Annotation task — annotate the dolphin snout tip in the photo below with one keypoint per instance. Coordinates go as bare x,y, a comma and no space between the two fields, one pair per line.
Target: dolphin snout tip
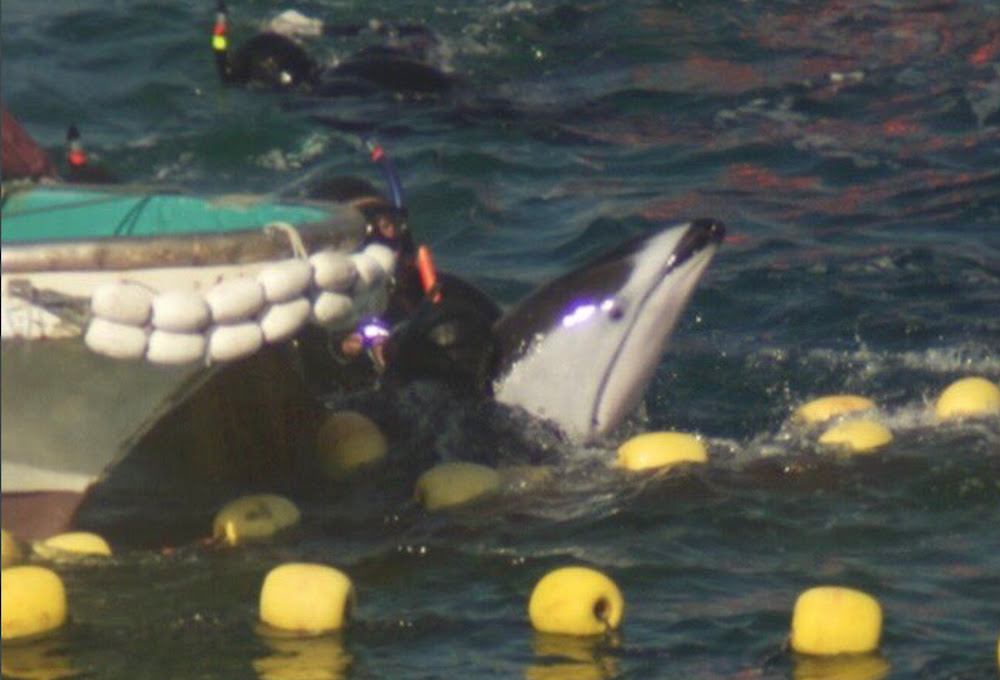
709,228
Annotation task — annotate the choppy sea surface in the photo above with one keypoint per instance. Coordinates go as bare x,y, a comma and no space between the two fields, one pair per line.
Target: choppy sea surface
853,149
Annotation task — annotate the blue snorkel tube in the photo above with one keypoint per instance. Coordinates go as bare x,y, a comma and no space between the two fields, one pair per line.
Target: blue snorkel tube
388,170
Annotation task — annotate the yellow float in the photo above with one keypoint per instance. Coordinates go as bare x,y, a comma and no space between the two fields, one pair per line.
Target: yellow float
305,598
824,408
830,620
255,517
456,483
72,545
857,436
968,398
33,601
348,441
576,601
661,450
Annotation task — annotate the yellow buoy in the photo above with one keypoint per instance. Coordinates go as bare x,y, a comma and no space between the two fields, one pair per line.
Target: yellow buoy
842,667
968,398
33,601
348,441
857,436
306,598
824,408
255,517
72,545
576,601
450,484
833,620
661,449
11,549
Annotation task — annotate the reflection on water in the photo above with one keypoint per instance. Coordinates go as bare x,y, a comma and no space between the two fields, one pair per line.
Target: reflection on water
42,659
305,658
566,657
842,667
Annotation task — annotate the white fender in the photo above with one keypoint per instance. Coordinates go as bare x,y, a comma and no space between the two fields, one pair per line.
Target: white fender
285,281
332,311
382,254
281,321
234,300
370,272
166,347
179,311
115,340
235,341
333,271
122,302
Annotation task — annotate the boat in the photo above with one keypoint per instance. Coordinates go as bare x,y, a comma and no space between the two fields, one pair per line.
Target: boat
166,323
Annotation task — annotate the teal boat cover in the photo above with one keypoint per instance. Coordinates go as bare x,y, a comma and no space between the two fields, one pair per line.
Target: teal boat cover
51,213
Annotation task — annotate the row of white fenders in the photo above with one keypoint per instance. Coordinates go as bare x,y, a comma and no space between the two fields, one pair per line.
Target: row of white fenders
208,314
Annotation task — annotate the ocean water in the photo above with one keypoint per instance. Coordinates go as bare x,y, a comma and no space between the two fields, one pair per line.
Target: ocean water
852,148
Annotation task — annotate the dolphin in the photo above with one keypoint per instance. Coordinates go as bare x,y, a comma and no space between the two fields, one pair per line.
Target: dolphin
578,351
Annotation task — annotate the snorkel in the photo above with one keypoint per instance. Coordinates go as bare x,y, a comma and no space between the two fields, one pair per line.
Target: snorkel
220,42
388,170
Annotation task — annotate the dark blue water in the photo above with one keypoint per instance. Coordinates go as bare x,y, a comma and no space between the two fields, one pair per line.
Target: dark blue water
853,150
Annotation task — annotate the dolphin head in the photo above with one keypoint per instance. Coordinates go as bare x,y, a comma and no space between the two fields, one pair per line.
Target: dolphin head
581,350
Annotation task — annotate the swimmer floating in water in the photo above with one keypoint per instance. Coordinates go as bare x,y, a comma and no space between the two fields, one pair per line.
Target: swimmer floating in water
80,167
274,61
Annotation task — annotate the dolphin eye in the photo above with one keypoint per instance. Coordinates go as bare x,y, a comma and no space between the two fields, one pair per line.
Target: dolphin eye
614,308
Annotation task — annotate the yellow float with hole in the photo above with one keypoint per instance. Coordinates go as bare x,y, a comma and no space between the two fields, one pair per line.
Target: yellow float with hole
70,545
576,601
11,549
255,517
857,436
830,620
451,484
348,441
306,598
824,408
661,450
33,601
968,398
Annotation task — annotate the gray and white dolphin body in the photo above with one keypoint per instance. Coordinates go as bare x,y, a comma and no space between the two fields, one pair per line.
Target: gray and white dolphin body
581,350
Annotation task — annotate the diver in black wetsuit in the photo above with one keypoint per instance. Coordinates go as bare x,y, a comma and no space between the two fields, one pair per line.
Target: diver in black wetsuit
274,61
437,326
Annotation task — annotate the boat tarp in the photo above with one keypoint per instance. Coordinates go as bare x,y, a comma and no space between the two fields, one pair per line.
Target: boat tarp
42,214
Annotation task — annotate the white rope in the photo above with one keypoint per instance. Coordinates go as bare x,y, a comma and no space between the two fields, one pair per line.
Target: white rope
293,236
